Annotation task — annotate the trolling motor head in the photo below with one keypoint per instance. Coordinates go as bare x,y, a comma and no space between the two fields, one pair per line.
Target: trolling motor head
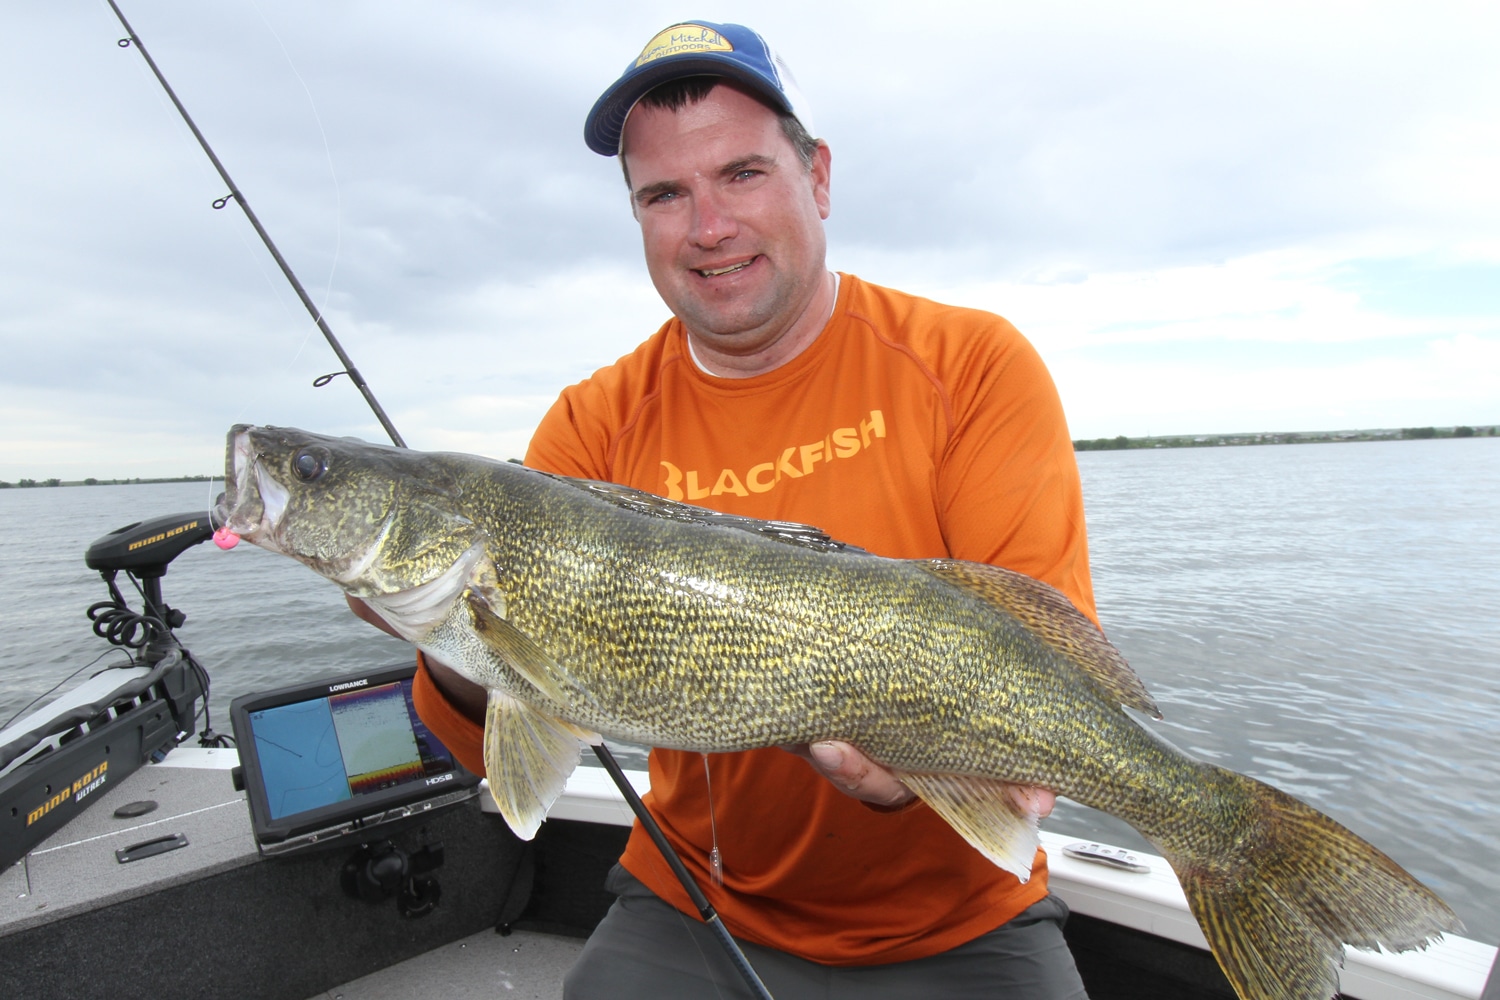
146,547
143,550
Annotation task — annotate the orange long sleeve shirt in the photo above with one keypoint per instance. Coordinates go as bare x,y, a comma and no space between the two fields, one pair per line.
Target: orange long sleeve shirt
913,430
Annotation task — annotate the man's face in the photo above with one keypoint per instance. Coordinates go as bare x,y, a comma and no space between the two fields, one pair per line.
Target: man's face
731,219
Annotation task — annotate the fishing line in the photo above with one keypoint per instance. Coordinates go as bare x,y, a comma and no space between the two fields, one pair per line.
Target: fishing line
705,908
338,193
253,253
213,499
338,220
141,826
715,859
53,689
648,822
238,197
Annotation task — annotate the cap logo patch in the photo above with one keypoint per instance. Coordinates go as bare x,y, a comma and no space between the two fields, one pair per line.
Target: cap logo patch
682,39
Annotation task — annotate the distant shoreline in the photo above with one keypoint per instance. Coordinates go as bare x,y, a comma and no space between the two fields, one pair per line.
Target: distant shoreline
1119,443
1292,437
25,484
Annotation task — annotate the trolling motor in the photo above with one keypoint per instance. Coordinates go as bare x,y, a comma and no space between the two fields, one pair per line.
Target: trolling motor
143,550
55,761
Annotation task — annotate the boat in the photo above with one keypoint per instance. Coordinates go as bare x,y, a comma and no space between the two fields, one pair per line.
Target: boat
153,876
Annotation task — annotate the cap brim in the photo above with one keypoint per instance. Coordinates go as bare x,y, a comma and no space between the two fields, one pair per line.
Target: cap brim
606,120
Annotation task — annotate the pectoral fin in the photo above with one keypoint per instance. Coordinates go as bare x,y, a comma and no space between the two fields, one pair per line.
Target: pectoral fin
984,813
527,759
518,650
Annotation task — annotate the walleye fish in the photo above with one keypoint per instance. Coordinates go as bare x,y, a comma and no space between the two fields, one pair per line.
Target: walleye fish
587,608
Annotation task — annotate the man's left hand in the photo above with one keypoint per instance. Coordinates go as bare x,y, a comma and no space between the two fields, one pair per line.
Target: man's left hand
858,776
853,773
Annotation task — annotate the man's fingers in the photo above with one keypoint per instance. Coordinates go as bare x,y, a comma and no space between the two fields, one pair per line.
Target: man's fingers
1031,799
830,759
854,773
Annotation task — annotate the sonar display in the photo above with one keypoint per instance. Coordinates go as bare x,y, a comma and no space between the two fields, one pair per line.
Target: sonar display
376,738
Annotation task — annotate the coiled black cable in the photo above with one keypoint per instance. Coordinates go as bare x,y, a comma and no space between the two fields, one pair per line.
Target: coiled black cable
115,622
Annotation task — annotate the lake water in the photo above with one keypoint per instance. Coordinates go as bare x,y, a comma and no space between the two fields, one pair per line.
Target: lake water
1323,617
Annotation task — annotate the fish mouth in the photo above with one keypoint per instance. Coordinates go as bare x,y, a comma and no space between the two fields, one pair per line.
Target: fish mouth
255,506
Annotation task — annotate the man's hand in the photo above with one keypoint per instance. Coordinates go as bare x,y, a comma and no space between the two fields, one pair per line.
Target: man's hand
858,776
853,773
466,696
366,613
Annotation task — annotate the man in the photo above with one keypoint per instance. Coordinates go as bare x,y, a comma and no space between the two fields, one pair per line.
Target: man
782,390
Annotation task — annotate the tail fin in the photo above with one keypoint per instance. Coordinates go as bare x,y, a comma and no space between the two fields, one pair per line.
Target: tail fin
1300,886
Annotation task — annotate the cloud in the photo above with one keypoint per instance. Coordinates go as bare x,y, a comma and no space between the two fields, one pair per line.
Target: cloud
1432,385
1156,190
1284,340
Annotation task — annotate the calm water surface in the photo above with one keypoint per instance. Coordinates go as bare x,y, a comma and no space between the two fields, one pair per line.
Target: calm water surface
1319,616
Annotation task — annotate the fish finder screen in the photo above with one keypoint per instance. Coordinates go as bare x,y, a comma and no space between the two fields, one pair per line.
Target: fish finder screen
332,749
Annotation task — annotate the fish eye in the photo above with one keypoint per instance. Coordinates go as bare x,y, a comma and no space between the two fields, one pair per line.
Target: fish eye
310,463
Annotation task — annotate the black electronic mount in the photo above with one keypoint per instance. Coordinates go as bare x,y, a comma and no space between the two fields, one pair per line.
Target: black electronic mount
378,870
58,760
345,762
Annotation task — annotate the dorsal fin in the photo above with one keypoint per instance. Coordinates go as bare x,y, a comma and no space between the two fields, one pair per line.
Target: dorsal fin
650,505
1051,617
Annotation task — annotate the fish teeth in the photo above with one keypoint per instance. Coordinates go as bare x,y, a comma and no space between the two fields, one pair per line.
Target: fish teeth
273,498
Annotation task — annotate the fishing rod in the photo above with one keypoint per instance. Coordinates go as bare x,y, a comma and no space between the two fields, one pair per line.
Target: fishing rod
265,237
705,909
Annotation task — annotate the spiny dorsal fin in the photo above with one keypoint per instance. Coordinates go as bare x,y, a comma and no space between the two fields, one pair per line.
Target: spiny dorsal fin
651,505
1051,617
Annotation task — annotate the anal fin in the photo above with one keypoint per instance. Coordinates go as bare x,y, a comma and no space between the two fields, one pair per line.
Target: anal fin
983,812
527,759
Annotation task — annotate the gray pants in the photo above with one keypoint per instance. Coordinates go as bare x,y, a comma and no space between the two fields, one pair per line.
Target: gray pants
644,949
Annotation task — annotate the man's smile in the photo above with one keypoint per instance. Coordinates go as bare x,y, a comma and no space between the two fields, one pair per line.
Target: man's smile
714,272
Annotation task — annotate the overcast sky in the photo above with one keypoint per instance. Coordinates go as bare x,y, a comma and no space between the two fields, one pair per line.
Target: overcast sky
1208,217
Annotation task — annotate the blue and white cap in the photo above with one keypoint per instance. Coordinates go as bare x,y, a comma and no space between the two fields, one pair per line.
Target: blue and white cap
694,48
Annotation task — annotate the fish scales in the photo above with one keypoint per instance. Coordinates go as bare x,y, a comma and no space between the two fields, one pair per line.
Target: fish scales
772,658
590,608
